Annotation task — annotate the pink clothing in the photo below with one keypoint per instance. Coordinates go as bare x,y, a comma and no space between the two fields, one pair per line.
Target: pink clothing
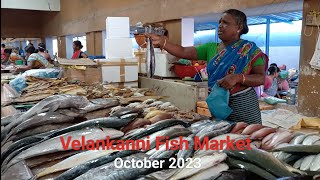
2,54
283,86
268,82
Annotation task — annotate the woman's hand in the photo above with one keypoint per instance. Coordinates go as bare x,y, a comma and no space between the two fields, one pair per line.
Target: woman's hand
229,81
156,39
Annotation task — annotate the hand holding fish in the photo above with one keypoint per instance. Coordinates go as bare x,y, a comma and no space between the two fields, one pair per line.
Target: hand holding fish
229,81
157,40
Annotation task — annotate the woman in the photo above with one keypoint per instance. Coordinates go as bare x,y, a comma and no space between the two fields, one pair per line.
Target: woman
235,64
271,82
42,48
77,53
3,47
11,56
35,60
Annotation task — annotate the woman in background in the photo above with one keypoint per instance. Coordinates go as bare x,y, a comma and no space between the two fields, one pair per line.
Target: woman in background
271,82
42,48
77,53
12,56
35,60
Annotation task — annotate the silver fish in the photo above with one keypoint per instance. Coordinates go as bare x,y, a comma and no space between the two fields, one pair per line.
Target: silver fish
110,171
160,175
306,163
309,140
150,58
54,144
74,161
186,152
8,119
206,162
315,164
210,173
297,164
298,139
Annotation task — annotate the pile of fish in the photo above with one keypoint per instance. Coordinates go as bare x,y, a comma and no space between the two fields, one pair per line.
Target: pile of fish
40,88
37,144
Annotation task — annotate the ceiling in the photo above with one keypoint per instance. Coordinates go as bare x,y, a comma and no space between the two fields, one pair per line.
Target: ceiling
283,12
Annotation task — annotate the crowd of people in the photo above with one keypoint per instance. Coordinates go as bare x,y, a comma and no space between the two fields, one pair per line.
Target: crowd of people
33,58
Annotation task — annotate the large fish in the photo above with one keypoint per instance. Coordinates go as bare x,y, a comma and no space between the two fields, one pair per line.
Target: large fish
210,173
159,175
75,160
110,171
166,152
299,148
170,132
85,167
55,144
219,139
125,110
150,59
187,151
298,139
96,104
250,167
19,171
51,103
8,119
159,126
216,130
198,126
262,159
41,119
239,174
206,162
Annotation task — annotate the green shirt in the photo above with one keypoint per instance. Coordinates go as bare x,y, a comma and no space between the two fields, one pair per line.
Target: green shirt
209,50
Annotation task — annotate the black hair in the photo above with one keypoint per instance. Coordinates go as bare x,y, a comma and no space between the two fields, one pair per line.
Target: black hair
30,49
9,51
272,70
78,44
241,19
274,64
166,33
41,47
3,45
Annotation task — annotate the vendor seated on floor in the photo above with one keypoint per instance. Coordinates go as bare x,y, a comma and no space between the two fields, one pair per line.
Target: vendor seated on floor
34,61
77,53
271,82
12,56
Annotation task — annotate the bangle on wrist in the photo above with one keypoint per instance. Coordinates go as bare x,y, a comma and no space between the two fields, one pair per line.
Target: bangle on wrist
243,79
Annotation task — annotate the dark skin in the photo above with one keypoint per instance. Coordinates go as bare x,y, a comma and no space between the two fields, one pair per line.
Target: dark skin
229,32
76,48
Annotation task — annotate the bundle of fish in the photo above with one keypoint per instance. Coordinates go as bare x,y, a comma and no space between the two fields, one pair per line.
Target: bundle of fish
302,152
41,88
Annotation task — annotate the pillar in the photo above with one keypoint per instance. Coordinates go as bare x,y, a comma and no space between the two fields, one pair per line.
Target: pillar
103,43
174,27
309,78
62,46
187,30
68,46
94,43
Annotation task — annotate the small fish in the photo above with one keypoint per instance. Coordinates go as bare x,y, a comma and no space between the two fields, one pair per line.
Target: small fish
315,164
297,164
160,117
125,110
298,139
135,124
160,175
251,128
238,126
154,113
261,133
306,163
309,140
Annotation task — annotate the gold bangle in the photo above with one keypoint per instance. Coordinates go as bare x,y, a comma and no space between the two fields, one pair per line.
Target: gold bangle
243,78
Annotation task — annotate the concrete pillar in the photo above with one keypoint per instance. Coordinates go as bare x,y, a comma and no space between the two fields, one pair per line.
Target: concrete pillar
103,43
94,43
49,45
68,46
174,28
187,30
62,46
309,78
